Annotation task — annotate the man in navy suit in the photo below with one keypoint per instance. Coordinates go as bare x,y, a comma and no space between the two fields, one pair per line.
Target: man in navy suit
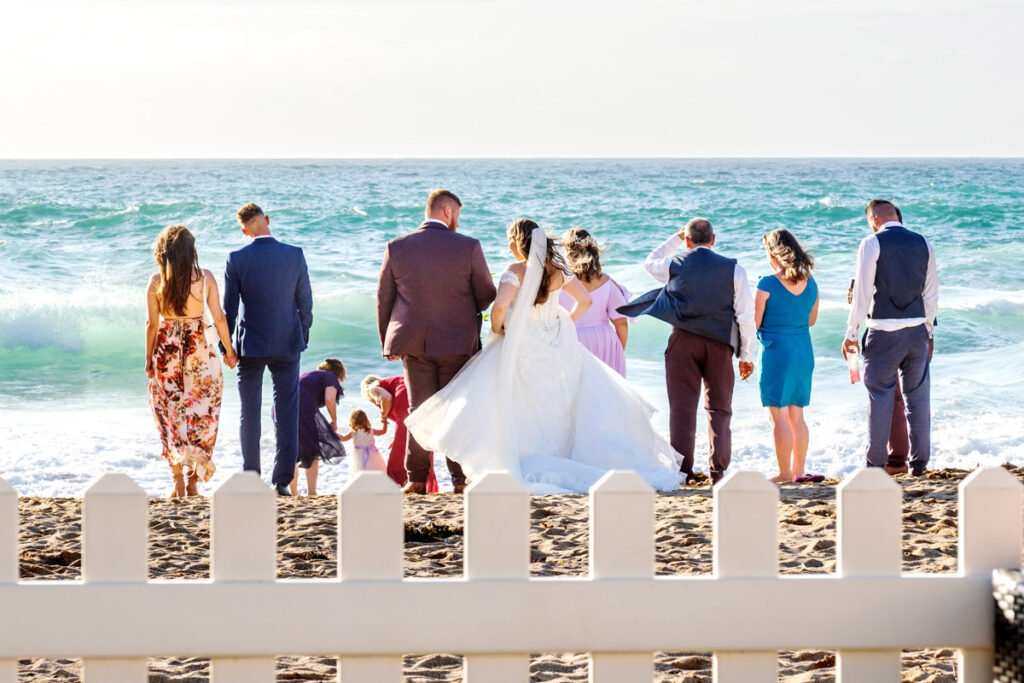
271,330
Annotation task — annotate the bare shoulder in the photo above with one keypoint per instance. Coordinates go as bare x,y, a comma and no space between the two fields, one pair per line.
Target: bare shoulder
154,282
517,268
558,279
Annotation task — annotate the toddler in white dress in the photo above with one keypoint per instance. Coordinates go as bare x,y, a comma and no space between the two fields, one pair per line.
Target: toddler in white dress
366,456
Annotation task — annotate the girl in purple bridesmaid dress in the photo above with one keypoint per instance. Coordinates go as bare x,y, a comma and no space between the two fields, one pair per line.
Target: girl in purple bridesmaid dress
601,328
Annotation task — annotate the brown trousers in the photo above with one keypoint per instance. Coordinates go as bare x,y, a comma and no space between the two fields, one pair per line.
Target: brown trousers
424,377
690,360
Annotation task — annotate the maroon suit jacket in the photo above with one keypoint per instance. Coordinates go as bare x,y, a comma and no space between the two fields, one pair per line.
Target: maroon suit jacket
433,285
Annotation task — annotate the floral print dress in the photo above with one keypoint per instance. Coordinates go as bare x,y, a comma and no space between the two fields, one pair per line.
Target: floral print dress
185,394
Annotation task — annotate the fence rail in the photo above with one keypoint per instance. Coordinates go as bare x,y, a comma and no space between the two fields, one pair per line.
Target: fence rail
369,616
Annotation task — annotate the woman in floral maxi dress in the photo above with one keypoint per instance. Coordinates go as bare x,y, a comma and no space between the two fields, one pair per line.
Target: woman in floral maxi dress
185,379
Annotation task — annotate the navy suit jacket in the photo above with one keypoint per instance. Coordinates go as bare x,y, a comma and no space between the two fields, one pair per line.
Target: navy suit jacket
267,299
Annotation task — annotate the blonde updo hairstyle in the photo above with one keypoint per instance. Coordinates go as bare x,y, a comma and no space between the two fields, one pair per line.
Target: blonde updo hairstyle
521,233
795,263
583,254
369,383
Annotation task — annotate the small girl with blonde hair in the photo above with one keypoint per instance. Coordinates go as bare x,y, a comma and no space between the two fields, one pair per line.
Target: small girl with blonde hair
367,457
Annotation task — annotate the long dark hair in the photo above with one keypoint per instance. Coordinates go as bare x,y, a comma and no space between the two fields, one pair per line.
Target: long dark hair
583,254
521,232
178,265
796,263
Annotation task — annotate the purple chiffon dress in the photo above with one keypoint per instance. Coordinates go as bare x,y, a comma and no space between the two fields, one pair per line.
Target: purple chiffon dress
595,329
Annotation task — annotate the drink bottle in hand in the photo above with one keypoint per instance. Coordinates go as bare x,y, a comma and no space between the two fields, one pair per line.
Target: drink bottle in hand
854,365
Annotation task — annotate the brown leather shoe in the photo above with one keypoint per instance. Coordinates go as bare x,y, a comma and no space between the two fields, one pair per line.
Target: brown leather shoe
415,487
894,469
459,488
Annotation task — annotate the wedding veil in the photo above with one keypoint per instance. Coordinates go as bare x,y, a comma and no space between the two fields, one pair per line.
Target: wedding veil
515,335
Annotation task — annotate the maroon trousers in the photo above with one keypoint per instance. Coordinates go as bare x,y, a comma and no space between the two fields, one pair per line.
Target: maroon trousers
691,360
899,437
424,377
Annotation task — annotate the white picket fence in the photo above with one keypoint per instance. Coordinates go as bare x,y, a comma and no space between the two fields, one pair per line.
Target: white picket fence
114,618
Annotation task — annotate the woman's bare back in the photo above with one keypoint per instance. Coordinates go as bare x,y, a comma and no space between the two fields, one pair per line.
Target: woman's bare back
195,307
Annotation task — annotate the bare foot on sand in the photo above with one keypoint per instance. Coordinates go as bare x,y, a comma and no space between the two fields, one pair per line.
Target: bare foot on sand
193,486
179,487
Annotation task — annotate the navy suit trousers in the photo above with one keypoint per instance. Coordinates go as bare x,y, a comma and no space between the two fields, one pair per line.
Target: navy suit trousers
892,359
284,372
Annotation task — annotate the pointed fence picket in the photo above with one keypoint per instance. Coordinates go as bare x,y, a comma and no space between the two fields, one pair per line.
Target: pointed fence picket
114,536
369,616
990,537
746,527
621,547
497,548
243,549
370,543
869,527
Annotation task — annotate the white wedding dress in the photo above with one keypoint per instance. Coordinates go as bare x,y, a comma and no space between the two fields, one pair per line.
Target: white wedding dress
536,403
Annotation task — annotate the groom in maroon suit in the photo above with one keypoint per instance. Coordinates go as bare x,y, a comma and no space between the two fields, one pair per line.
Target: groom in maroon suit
434,284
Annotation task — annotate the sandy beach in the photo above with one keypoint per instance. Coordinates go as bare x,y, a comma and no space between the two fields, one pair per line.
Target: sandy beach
179,548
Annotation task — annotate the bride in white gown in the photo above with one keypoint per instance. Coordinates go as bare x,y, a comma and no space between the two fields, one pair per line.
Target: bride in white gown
535,402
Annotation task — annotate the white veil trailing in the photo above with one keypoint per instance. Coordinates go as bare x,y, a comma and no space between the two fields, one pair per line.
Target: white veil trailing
515,324
515,335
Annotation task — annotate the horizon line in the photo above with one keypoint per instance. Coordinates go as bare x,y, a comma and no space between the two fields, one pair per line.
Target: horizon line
530,158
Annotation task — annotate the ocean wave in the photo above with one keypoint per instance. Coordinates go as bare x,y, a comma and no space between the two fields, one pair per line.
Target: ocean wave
969,299
959,299
101,322
103,316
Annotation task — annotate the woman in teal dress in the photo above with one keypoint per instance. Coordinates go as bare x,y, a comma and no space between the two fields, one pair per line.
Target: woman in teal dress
785,309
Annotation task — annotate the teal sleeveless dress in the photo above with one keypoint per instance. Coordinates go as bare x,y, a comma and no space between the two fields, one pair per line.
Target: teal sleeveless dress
787,356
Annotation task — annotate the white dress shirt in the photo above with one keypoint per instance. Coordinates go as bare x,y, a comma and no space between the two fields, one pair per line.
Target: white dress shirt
658,264
864,291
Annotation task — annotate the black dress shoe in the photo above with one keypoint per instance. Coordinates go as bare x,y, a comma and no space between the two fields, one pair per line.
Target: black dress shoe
283,490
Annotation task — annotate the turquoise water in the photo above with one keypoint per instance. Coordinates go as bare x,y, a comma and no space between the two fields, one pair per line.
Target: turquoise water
75,241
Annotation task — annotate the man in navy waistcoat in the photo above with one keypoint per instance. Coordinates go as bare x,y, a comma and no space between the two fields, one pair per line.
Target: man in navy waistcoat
707,301
896,290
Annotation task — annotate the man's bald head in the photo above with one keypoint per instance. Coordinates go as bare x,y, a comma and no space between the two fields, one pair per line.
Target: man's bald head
699,232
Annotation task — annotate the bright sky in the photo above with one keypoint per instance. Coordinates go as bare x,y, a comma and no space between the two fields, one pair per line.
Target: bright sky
500,78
